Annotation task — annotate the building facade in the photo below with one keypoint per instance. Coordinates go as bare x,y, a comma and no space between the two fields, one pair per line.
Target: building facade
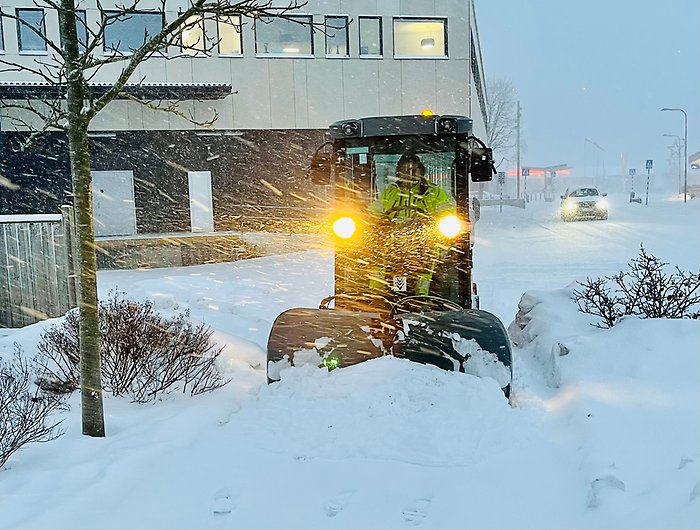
275,86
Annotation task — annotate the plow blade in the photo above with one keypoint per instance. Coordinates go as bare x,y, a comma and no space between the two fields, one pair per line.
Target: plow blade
333,337
467,340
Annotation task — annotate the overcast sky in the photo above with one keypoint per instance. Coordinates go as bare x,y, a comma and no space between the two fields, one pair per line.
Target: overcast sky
597,69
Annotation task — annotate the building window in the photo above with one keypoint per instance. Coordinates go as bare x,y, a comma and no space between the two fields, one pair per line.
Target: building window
29,23
370,36
230,35
284,37
192,36
125,33
2,37
336,29
81,29
416,38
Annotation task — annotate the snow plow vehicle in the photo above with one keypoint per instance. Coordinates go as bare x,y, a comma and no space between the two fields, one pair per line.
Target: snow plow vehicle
403,253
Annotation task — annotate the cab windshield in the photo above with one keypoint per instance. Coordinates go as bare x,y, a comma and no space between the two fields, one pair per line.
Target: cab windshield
369,165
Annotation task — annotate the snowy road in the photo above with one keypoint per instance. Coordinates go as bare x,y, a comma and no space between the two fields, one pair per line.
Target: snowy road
390,444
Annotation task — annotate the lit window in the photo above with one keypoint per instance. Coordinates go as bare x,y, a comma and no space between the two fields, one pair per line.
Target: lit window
420,37
31,30
284,36
370,36
126,33
193,35
230,41
336,36
81,29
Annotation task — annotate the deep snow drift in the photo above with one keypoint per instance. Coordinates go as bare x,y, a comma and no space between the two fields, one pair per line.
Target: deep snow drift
605,436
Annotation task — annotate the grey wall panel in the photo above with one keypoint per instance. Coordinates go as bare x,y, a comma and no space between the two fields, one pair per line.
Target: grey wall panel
418,86
361,88
187,108
282,99
325,89
213,69
152,71
452,82
155,119
114,117
251,105
363,7
179,71
390,90
418,7
301,95
135,117
326,6
223,108
457,41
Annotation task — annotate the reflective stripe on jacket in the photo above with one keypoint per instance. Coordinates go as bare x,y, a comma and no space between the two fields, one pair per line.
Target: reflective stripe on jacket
431,201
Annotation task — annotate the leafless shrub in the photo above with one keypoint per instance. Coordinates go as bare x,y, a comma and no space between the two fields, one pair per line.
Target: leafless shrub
143,355
645,290
24,409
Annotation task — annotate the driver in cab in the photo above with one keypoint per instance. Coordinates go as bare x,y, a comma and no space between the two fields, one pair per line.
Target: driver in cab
411,194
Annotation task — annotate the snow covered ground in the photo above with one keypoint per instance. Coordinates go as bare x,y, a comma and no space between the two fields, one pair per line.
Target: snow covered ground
606,437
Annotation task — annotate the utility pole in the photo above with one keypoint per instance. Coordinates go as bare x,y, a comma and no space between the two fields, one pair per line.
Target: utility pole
517,129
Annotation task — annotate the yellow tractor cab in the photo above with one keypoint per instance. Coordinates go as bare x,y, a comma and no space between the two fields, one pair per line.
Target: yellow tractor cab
403,252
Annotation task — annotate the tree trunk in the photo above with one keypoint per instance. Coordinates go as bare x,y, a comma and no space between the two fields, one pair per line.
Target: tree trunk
90,372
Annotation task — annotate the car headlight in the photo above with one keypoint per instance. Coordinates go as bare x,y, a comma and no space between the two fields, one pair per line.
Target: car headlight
450,226
344,227
570,205
602,204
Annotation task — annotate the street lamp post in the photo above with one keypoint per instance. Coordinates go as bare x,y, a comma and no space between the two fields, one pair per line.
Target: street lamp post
685,152
588,140
680,188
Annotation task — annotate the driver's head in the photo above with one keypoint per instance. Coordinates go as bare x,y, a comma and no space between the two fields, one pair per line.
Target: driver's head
409,169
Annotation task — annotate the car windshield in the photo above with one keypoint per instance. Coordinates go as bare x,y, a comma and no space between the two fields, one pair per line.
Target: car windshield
584,192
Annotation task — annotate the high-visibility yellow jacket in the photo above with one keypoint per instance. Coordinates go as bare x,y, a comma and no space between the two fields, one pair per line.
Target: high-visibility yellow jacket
424,197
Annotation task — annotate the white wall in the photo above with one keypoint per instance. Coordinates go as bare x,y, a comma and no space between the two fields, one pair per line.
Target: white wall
286,93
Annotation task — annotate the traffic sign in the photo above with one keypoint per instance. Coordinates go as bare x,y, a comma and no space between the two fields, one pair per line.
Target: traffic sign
633,172
501,177
526,171
650,164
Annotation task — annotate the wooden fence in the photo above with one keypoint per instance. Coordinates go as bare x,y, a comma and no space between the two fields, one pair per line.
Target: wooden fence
37,267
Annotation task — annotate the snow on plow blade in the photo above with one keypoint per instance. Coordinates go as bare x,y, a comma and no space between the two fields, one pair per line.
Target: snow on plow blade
470,341
467,340
333,337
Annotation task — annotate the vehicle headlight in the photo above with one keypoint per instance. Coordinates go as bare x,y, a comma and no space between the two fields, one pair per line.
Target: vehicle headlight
344,227
450,226
602,204
570,205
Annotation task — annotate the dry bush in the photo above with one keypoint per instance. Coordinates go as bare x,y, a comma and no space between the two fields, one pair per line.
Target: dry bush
646,290
143,355
24,409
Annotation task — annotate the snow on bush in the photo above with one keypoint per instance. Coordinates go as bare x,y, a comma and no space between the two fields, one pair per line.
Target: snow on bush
143,355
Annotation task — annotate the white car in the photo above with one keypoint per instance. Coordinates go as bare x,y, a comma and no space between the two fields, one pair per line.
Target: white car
583,203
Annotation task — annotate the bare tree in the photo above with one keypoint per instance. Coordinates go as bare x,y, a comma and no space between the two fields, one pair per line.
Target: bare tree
73,103
501,112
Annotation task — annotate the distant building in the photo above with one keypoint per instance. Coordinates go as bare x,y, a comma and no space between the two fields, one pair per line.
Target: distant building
275,87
